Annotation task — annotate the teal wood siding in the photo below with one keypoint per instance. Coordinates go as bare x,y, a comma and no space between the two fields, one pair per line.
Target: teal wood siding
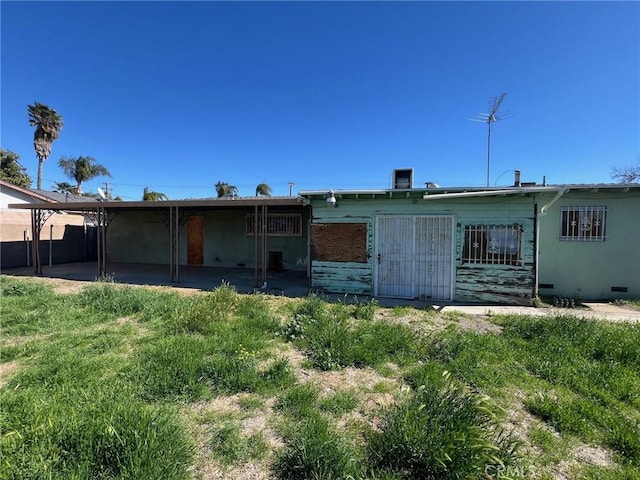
498,283
472,282
342,277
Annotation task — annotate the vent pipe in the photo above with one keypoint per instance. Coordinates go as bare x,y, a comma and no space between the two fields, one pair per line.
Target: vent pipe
516,182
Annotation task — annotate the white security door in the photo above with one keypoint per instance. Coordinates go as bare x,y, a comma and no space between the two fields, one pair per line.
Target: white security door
433,278
414,257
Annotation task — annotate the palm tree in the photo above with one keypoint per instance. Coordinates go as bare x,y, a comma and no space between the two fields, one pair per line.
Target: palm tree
225,190
82,169
263,189
151,196
64,187
48,125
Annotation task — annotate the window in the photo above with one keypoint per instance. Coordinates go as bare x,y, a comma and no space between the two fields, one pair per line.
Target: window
492,244
278,224
583,224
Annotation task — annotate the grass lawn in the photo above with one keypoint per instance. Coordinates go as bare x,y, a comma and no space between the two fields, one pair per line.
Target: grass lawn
119,382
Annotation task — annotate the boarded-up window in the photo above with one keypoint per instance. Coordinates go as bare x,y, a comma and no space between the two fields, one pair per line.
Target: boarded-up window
339,242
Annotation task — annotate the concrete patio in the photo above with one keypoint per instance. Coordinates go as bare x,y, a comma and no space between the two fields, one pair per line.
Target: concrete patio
288,283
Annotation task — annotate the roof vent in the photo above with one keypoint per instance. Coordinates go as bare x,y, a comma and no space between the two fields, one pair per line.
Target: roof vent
402,178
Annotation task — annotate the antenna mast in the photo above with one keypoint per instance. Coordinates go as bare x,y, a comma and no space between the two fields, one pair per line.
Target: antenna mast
489,119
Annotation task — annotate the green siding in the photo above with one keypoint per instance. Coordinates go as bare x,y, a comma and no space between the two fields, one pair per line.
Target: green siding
588,270
142,237
475,283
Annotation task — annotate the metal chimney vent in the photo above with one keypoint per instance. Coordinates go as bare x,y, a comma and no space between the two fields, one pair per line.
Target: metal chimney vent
402,178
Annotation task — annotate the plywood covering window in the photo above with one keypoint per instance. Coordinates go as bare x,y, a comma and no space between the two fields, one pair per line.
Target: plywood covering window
583,224
492,244
339,242
278,224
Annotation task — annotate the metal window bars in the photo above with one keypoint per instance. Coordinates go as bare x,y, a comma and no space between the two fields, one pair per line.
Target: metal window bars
277,224
492,244
583,223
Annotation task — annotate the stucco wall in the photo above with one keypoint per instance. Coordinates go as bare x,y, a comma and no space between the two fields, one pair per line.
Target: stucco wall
142,237
589,269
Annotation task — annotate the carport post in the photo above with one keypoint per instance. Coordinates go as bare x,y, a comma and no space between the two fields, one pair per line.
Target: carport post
255,242
264,244
177,243
35,241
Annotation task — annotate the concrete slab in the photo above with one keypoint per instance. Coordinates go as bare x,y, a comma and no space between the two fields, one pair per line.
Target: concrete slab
288,283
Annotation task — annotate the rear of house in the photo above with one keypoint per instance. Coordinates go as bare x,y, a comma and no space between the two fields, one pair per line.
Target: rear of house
435,244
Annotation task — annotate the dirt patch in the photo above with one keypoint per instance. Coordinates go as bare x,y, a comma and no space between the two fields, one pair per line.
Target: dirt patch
7,370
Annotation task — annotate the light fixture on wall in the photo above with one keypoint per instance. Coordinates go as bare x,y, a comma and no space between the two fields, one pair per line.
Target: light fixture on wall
331,199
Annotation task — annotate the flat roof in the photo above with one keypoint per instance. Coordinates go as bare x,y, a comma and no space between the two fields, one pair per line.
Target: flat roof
480,191
190,203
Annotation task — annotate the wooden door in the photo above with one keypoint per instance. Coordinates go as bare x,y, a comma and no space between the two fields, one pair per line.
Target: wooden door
195,241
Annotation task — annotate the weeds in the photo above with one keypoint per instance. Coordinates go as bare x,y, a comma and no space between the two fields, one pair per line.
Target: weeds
332,340
317,451
441,431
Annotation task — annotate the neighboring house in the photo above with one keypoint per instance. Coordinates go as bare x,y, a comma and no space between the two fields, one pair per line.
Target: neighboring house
63,232
590,243
478,244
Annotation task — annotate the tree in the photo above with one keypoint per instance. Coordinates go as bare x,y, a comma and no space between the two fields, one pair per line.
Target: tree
48,125
11,171
629,174
64,187
82,169
263,189
223,189
151,196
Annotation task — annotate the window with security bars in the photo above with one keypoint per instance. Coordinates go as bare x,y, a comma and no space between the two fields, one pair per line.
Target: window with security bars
492,244
278,224
583,224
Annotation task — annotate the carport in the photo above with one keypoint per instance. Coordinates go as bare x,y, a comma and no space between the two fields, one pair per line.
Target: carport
258,222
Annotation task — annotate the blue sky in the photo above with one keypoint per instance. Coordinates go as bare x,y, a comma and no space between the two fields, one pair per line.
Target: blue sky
179,95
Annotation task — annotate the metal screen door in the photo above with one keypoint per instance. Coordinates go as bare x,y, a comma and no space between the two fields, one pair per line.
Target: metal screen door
414,257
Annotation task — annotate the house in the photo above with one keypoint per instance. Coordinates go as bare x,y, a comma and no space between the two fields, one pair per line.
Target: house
466,244
477,244
590,243
65,233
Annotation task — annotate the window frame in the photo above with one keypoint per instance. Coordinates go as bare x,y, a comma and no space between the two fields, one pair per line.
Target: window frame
495,244
278,224
583,223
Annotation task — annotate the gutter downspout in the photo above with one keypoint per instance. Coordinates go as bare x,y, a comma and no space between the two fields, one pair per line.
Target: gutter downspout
545,209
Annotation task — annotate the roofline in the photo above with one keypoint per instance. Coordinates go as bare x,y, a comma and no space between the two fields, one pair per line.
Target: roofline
448,192
26,191
142,205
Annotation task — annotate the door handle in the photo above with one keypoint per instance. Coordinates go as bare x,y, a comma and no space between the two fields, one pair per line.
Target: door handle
379,258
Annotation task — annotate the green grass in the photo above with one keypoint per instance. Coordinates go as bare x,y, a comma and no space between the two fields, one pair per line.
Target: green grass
334,340
581,377
102,383
441,431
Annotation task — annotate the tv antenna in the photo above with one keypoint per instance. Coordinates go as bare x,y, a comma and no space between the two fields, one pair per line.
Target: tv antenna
489,119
